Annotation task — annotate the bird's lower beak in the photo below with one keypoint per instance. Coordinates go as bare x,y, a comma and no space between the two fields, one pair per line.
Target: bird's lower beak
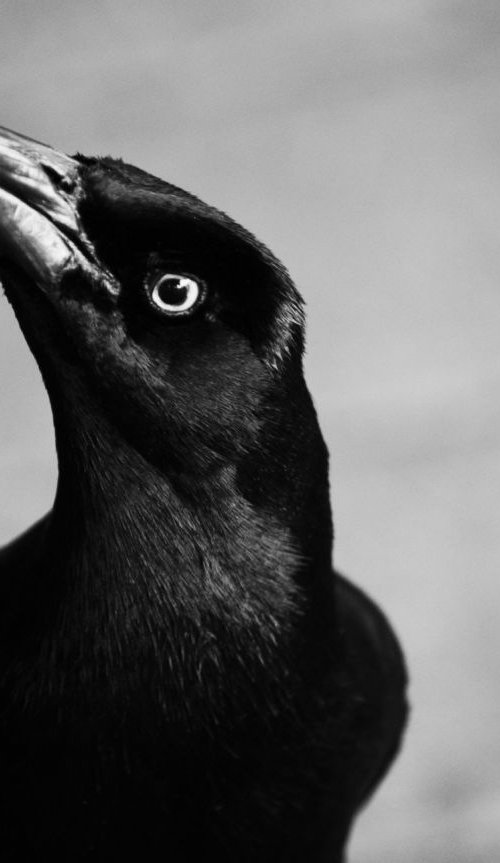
40,229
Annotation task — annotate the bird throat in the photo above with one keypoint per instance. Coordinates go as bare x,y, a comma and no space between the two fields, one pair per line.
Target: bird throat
145,589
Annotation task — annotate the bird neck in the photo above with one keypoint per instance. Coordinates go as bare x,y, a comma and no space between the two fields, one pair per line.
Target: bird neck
171,547
175,591
143,591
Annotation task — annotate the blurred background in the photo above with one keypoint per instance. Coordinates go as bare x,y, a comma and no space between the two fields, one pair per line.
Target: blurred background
360,140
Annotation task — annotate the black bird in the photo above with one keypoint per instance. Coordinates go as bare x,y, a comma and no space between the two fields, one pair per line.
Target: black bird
183,676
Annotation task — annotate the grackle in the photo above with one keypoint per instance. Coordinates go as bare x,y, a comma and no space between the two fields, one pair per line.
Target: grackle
183,677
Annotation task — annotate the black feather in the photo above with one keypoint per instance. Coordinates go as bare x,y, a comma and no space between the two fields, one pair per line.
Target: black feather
183,676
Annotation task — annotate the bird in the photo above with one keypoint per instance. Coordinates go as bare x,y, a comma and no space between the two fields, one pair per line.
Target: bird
183,673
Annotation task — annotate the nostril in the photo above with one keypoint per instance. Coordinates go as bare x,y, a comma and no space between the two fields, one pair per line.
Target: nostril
59,177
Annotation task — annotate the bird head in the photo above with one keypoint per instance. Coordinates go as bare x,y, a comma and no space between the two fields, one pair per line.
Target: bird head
157,316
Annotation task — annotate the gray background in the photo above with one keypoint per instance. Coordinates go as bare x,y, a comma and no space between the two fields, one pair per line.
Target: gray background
360,141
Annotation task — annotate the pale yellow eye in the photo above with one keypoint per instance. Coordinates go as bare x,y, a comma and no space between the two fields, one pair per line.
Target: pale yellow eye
175,294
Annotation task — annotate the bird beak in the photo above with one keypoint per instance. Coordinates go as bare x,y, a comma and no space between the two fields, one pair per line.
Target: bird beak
40,229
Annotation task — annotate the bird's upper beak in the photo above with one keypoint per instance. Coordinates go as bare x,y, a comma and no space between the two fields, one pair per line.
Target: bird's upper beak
40,229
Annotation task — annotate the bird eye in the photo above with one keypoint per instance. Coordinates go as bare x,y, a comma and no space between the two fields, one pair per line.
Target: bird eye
176,295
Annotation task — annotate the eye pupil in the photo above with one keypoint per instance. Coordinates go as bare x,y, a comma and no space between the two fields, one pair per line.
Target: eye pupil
173,291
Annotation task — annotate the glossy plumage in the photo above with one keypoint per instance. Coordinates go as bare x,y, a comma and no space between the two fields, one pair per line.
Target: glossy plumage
183,676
